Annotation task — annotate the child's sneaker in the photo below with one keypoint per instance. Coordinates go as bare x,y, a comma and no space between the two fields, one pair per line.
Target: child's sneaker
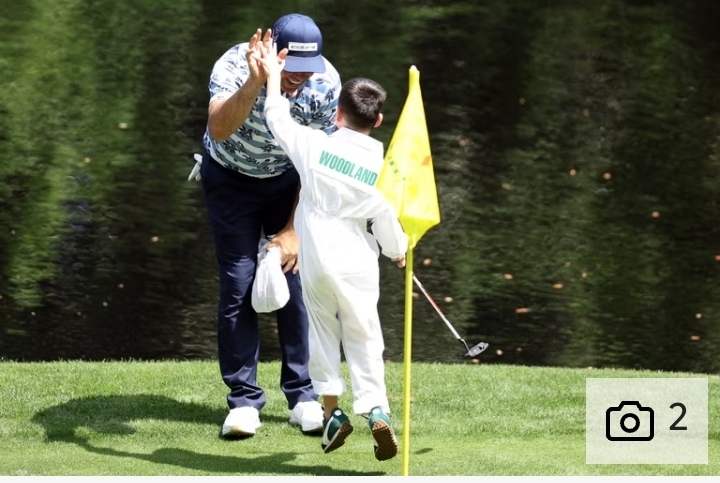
335,430
386,445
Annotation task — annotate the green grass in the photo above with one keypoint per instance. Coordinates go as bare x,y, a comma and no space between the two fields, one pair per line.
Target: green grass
163,418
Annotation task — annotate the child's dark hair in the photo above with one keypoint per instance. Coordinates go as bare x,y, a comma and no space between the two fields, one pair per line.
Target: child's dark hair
361,101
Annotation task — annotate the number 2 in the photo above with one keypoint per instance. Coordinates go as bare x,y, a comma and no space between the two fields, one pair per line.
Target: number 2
674,426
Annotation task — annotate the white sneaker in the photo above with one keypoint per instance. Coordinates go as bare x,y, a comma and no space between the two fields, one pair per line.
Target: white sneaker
308,415
241,422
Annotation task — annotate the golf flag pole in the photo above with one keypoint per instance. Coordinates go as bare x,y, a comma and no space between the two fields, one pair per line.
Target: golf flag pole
406,364
408,182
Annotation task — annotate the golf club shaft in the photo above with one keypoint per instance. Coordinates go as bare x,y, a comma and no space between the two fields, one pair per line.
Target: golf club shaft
437,309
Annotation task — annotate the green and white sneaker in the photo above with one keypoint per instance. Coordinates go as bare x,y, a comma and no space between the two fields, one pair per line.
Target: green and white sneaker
386,445
335,430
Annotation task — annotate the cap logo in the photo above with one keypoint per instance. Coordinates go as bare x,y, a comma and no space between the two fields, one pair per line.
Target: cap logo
303,47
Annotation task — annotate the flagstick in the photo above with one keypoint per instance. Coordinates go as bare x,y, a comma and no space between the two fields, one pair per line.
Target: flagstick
408,357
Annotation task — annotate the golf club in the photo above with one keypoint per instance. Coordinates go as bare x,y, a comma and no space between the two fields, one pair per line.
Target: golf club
471,351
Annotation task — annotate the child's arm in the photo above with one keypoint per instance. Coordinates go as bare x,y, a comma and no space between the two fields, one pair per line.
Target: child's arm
390,235
291,136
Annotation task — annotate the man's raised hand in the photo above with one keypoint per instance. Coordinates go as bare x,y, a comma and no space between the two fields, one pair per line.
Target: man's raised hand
266,55
256,71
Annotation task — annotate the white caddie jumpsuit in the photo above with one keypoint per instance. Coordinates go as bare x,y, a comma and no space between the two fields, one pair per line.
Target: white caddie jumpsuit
338,257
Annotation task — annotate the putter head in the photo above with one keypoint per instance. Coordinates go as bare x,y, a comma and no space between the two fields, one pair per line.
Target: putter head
475,350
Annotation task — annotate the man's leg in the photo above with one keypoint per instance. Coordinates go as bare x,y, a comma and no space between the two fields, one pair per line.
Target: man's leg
292,323
234,210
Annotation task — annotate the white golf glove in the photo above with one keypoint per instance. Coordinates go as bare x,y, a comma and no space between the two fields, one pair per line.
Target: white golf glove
195,173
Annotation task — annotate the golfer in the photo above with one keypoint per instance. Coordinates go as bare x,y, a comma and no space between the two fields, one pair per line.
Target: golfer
250,189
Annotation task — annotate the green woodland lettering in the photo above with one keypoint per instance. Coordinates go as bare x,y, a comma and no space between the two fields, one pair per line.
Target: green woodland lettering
347,168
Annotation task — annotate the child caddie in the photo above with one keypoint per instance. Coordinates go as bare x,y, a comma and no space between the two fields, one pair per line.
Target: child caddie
338,258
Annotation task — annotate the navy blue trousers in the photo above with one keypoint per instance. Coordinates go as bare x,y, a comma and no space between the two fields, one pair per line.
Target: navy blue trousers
239,207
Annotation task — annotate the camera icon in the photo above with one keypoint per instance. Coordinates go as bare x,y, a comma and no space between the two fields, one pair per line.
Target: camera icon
629,422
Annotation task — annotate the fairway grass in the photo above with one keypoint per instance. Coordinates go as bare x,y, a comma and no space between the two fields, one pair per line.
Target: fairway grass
163,418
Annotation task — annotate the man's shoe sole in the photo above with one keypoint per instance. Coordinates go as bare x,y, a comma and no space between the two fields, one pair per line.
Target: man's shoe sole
315,430
345,430
386,444
235,432
312,430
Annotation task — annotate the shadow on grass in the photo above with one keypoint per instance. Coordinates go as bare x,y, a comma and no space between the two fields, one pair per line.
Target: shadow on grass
113,415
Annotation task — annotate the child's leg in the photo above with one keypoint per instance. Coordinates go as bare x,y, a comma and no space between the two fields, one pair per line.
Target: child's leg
324,341
363,344
329,403
362,339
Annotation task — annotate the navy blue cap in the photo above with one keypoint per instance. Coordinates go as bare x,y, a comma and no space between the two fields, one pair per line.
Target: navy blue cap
299,34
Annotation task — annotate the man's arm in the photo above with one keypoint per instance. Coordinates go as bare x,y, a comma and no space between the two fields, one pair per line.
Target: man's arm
287,240
226,116
291,220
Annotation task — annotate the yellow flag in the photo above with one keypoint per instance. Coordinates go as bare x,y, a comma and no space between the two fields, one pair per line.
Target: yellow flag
407,179
408,182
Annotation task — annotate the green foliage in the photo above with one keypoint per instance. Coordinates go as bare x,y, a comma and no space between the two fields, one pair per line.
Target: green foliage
575,146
